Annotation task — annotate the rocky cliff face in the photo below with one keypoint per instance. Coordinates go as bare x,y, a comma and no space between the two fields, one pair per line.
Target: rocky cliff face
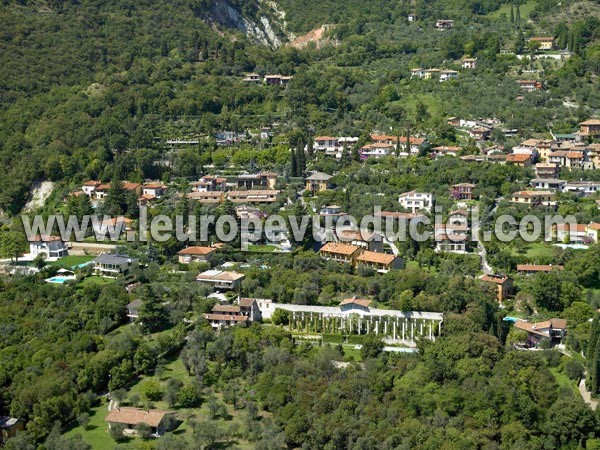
258,29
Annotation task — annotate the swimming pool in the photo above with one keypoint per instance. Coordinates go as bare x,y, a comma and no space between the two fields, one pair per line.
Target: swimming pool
82,265
59,280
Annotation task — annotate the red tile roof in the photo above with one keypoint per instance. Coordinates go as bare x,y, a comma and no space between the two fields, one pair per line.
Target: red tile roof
376,257
201,251
537,267
134,416
341,249
356,301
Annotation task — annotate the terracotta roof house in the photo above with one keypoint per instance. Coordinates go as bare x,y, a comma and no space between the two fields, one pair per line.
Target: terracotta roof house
132,417
195,254
503,285
89,187
221,280
590,127
553,330
225,315
157,190
528,269
571,233
546,43
253,196
593,231
462,191
206,197
381,262
361,238
340,252
355,303
534,198
520,160
446,150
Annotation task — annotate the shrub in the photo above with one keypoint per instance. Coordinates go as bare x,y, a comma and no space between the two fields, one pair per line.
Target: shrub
151,390
143,430
189,397
116,432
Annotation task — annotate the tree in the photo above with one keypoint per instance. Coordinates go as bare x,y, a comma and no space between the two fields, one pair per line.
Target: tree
372,347
574,369
83,420
189,397
119,395
143,430
172,391
519,43
280,317
152,315
116,432
115,202
206,433
12,244
40,260
151,390
533,47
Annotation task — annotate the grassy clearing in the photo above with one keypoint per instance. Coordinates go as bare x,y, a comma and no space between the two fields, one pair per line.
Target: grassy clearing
95,280
262,248
97,435
525,9
69,261
535,250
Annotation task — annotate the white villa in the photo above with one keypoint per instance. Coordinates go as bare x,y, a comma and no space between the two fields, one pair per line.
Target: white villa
356,316
51,246
415,201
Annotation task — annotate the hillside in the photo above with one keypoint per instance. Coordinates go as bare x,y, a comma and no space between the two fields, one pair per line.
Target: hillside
103,78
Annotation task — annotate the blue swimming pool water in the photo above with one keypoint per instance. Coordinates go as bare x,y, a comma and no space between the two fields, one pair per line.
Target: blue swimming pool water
511,319
58,280
79,266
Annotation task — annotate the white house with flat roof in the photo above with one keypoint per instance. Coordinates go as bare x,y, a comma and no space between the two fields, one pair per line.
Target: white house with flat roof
416,201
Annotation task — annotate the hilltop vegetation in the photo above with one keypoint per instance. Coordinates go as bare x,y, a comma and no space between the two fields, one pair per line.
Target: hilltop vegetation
103,80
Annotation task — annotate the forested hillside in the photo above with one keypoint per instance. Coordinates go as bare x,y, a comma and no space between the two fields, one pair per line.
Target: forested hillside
86,85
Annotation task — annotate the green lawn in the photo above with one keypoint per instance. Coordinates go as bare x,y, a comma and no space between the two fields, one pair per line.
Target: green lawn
524,10
96,434
535,250
262,248
96,280
69,261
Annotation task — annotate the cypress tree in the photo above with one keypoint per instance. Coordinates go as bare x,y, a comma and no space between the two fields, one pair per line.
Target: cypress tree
512,14
518,18
591,355
301,165
294,162
591,349
595,382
